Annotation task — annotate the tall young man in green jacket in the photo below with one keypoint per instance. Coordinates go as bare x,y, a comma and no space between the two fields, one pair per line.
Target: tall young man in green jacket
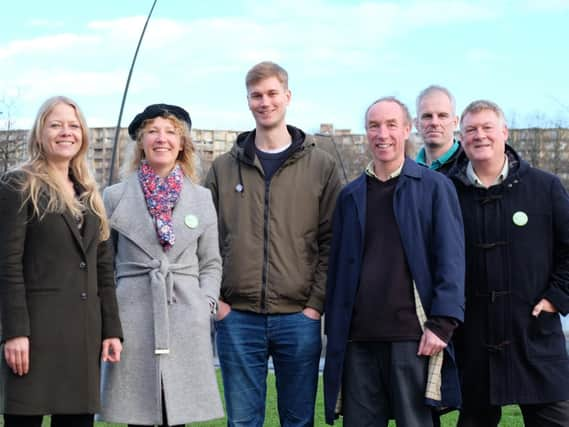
275,194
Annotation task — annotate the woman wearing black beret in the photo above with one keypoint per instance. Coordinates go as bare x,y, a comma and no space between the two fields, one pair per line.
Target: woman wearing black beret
168,273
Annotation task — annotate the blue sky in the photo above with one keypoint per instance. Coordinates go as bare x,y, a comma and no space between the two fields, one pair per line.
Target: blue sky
340,55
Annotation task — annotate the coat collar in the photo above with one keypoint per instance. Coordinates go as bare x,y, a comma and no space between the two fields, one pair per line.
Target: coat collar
244,147
517,167
131,218
187,207
90,229
358,188
412,169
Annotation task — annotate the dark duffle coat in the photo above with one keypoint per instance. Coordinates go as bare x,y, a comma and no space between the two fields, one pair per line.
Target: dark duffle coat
57,288
164,306
509,356
428,215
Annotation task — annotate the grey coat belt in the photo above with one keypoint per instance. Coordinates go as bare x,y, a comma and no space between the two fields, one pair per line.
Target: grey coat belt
162,286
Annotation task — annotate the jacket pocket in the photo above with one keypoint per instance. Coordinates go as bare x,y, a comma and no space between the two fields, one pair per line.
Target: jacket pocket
545,338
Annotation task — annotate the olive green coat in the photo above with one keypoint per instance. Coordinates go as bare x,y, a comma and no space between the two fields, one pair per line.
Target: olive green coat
57,288
275,237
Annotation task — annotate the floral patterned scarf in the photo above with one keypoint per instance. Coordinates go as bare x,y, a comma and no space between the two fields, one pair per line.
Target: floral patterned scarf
161,195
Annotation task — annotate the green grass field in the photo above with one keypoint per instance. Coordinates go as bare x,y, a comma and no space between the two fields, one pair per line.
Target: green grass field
511,415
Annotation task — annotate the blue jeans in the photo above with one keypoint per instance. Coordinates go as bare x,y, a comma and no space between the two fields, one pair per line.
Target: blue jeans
244,343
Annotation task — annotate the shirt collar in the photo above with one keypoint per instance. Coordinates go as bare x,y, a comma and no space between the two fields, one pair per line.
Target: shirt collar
370,171
474,180
436,164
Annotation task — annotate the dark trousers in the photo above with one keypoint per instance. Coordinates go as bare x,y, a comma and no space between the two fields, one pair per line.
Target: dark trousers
383,381
436,419
164,416
75,420
555,414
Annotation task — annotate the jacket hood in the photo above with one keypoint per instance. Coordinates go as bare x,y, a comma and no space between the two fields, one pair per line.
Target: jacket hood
517,166
244,147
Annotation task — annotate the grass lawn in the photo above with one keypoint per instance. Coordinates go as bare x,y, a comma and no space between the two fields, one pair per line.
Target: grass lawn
511,415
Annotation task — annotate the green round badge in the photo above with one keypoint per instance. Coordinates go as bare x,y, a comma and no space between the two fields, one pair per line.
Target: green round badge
191,221
520,218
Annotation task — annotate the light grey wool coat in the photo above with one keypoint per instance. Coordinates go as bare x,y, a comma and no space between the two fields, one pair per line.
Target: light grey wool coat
164,307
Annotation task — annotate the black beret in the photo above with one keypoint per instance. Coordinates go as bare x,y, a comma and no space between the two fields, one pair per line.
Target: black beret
156,110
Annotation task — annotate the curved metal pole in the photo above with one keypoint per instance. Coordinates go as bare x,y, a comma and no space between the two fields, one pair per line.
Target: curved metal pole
340,159
118,128
337,154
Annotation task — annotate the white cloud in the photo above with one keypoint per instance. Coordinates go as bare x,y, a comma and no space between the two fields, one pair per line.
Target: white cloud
47,44
372,17
38,83
293,31
125,29
159,33
45,23
362,47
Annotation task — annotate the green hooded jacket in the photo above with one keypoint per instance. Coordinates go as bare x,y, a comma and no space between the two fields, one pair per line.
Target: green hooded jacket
274,237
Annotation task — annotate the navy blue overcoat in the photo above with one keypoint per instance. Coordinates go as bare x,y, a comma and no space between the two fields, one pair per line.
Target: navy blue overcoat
517,253
430,222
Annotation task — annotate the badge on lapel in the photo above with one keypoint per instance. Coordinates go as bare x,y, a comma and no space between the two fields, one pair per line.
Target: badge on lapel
520,218
191,221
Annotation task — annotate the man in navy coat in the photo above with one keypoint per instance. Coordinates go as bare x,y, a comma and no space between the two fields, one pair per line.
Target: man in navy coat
395,288
516,222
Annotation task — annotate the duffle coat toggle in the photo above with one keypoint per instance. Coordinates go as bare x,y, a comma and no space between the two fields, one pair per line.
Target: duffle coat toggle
490,245
496,348
162,286
492,294
489,198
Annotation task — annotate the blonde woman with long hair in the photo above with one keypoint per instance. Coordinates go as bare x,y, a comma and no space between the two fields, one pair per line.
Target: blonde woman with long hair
59,314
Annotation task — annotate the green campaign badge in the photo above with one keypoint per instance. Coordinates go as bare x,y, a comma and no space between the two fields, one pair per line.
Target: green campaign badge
520,218
191,221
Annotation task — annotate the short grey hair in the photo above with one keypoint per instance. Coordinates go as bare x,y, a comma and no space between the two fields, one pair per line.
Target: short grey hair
482,105
434,89
406,114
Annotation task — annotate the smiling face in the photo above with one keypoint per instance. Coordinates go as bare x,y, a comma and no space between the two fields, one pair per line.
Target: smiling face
268,100
436,120
162,143
61,136
484,136
387,130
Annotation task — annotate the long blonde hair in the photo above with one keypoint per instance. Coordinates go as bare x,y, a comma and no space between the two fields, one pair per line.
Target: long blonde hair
42,182
186,157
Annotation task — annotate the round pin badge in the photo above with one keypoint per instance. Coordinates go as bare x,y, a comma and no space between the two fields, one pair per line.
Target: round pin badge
520,218
191,221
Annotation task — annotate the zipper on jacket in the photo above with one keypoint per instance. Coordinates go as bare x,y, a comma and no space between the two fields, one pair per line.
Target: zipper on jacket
265,274
266,228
